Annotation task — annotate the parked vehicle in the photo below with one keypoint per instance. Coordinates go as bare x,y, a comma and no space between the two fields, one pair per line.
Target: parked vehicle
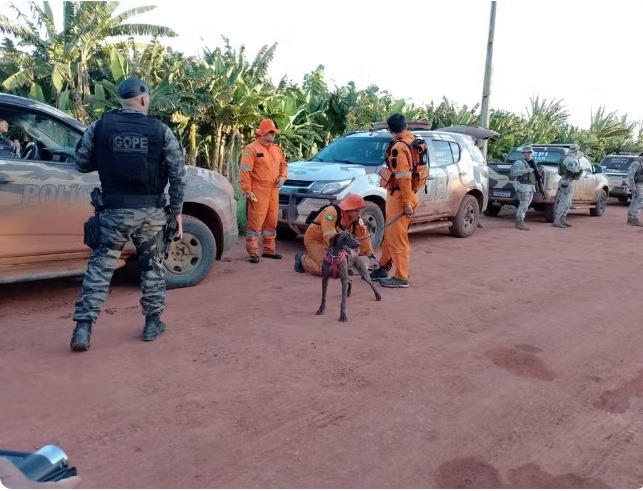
456,192
44,202
590,191
616,168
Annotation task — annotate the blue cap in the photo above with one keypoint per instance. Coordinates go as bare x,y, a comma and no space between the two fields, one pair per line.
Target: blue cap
132,87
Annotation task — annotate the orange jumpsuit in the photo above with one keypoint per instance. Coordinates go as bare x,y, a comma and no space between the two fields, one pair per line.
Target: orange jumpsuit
319,233
261,166
396,248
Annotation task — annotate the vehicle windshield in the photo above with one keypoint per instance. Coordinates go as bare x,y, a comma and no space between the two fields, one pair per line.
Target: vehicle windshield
354,150
49,132
617,163
540,155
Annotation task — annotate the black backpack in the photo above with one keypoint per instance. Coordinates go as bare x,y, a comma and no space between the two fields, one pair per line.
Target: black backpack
315,214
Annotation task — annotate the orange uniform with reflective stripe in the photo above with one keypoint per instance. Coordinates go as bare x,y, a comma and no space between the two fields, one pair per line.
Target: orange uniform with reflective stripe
262,164
396,248
319,233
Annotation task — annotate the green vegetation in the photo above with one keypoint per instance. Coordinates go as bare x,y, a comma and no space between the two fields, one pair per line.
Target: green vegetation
215,101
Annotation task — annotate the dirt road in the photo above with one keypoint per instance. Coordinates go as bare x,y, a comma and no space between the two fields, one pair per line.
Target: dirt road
514,360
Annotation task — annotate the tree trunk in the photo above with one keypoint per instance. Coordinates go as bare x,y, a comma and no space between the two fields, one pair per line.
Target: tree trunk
225,130
215,143
228,171
81,92
234,156
192,136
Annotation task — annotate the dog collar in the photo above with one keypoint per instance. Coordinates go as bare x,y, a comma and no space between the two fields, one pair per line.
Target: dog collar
334,262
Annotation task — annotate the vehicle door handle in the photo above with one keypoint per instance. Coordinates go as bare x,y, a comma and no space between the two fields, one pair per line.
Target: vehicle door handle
432,178
463,173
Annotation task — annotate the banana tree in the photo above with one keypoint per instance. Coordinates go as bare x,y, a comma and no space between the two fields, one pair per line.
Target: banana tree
64,58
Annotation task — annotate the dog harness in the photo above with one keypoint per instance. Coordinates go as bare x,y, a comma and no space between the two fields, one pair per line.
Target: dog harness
334,262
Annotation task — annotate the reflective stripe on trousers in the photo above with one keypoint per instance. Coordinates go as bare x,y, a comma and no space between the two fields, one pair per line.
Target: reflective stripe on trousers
262,218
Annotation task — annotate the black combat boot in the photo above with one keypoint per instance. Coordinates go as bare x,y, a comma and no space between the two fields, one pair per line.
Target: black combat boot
153,328
81,338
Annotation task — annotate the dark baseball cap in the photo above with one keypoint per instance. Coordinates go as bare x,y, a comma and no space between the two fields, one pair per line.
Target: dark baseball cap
132,87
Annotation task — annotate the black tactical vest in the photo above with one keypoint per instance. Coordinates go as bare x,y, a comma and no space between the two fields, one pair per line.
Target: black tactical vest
128,149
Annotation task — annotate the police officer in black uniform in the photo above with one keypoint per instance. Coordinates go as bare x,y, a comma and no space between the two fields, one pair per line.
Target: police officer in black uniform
135,155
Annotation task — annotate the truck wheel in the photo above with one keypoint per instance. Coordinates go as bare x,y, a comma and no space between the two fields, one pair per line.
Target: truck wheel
601,203
466,221
191,257
550,212
492,210
373,218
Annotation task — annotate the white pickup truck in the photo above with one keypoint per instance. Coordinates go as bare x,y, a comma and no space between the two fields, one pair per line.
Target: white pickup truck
590,191
456,191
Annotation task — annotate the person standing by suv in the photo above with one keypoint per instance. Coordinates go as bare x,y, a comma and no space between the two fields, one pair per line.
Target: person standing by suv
135,155
525,184
635,181
400,201
570,171
263,171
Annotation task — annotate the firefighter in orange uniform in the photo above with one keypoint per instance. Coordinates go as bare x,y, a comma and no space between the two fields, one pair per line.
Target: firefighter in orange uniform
346,216
263,171
400,199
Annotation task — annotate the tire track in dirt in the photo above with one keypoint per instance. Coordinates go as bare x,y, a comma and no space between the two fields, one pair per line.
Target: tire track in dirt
619,400
520,363
473,473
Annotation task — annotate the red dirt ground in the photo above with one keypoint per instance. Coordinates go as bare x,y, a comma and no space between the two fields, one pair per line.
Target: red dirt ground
514,360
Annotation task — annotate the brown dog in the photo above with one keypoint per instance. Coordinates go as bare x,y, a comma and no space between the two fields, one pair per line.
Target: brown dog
340,255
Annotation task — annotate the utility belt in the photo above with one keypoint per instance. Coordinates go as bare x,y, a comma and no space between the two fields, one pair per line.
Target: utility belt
133,201
525,180
100,202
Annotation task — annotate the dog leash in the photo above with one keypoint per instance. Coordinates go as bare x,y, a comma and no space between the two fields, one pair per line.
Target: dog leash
394,220
389,223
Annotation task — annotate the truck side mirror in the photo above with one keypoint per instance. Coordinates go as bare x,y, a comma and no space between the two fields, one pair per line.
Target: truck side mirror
598,169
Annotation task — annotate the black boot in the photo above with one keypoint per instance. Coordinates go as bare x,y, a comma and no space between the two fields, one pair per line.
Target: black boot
153,328
81,338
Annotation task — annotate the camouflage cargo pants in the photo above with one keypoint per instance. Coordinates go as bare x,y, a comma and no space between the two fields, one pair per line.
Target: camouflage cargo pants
525,194
637,201
143,225
563,198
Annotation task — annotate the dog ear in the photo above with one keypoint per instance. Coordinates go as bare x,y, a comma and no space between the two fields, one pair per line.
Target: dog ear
332,241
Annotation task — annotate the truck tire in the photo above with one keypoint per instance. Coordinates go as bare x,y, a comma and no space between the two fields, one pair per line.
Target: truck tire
466,221
601,203
550,212
492,210
373,218
191,257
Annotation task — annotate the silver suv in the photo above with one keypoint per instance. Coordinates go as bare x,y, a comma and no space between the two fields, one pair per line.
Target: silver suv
455,195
